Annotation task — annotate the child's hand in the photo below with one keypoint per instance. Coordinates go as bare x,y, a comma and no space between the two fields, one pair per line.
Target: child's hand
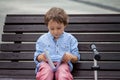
67,57
42,57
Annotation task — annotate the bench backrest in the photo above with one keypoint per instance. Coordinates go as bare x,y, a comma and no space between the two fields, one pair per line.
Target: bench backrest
22,31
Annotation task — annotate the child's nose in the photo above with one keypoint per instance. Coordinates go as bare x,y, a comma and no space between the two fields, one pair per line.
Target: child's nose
55,32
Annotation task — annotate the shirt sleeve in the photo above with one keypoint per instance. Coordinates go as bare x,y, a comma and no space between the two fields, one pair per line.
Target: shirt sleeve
39,49
74,47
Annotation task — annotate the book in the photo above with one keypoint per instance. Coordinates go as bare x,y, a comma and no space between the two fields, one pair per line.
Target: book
49,60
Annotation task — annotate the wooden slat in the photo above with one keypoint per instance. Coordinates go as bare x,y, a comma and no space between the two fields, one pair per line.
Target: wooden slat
95,19
104,56
86,78
82,75
104,66
101,74
17,72
20,37
28,56
16,78
98,18
93,27
69,28
24,19
17,65
108,66
82,47
18,47
101,47
80,37
25,28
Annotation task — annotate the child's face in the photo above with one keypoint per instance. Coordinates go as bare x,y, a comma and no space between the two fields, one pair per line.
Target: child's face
56,29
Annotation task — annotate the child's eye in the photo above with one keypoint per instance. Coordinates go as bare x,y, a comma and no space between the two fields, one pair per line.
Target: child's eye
52,29
58,28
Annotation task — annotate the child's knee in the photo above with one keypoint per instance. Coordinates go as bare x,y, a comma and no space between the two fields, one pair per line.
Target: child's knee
45,68
63,73
63,67
45,73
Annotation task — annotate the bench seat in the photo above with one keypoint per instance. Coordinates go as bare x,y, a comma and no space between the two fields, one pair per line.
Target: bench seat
21,31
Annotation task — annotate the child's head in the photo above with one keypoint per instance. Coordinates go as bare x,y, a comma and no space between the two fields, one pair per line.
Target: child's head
56,14
56,19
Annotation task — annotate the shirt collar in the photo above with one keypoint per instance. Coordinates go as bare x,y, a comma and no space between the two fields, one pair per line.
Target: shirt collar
53,37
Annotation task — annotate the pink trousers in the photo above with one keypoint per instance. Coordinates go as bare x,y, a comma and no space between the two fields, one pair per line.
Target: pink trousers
45,72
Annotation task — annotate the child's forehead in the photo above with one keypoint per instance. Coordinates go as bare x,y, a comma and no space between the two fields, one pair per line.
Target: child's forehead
55,22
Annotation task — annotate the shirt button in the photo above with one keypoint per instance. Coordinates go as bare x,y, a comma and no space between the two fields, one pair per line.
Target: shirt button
48,45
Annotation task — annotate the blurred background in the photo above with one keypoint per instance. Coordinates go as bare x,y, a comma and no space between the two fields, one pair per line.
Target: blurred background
70,6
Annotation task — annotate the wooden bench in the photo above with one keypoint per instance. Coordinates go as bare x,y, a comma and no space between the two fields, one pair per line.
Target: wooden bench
21,32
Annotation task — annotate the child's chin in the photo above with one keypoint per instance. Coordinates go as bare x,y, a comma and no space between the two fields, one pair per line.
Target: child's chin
56,37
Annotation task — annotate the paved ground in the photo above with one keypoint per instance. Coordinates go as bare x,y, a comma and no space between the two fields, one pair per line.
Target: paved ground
70,6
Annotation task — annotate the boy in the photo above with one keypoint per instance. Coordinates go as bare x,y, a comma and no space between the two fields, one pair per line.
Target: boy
62,48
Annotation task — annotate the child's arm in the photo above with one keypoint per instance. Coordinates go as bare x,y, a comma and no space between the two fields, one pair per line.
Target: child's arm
69,57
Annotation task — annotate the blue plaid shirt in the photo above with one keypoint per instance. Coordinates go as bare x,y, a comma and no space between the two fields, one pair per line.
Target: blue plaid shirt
56,48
